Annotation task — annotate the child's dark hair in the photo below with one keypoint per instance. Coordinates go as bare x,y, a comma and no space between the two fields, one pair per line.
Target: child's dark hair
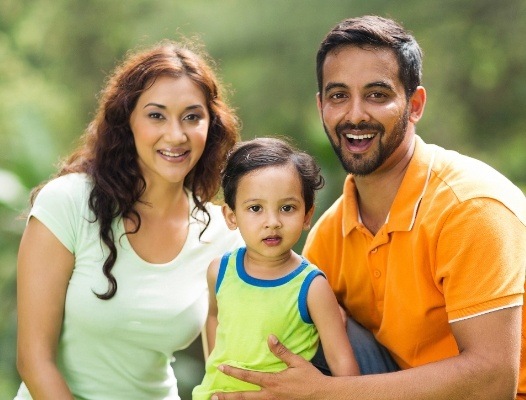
251,155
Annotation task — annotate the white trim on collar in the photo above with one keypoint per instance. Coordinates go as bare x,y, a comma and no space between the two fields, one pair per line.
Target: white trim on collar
417,204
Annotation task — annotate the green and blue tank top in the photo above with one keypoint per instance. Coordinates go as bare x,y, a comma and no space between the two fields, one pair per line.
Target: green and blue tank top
249,310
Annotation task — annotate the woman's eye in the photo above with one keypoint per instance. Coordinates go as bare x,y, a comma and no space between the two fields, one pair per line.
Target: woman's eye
192,117
155,115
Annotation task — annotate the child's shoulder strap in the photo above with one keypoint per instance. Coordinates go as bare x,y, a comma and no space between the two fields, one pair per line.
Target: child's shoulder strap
227,257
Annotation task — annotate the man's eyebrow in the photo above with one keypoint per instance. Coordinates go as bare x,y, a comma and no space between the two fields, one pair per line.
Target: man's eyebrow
381,84
340,85
335,85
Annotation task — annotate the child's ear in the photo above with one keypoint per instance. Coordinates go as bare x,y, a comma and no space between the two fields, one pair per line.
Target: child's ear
308,219
230,217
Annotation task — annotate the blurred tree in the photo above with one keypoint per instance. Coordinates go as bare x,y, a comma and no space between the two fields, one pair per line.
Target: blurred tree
53,61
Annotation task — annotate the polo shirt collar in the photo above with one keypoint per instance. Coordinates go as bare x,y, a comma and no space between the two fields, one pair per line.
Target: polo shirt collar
412,189
351,218
401,216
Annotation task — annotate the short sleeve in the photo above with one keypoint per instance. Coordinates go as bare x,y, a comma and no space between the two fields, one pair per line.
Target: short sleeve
482,258
59,206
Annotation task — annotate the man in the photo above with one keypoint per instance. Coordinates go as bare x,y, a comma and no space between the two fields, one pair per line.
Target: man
426,248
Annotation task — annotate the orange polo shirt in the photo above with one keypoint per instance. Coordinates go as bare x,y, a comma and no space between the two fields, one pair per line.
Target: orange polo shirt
453,247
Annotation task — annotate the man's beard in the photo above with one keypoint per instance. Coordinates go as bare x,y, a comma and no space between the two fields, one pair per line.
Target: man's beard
358,164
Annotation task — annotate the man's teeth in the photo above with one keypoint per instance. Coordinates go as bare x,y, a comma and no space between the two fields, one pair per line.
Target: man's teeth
170,154
367,136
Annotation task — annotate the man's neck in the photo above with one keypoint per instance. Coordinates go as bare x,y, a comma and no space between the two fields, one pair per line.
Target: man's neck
377,191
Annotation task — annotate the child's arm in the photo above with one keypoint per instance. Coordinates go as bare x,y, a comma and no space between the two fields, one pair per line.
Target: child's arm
211,320
325,313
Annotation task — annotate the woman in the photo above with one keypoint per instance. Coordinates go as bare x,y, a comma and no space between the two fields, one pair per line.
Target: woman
112,263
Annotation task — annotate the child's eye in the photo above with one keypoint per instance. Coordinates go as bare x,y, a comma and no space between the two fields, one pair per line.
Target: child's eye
288,208
254,208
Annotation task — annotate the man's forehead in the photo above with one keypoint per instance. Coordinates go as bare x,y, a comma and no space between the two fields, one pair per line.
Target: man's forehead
362,66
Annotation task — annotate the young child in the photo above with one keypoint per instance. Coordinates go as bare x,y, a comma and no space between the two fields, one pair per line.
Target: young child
267,288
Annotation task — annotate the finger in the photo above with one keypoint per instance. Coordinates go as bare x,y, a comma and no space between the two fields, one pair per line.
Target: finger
283,353
238,396
255,377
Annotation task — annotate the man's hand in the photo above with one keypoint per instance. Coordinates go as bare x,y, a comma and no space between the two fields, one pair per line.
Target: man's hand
299,381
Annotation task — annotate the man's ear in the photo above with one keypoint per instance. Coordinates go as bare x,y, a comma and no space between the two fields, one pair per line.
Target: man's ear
230,217
318,104
417,104
308,219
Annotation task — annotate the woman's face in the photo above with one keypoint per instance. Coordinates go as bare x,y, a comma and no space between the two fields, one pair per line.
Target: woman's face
170,125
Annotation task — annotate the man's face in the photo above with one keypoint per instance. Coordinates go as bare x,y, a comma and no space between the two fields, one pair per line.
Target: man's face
364,109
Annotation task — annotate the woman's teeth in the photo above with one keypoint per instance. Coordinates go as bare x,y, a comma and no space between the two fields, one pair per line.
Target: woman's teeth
170,154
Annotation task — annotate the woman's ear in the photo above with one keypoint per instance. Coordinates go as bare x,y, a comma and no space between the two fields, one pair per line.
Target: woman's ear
230,217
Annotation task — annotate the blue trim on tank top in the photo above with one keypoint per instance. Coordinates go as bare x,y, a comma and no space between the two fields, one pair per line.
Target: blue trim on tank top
240,267
222,270
302,297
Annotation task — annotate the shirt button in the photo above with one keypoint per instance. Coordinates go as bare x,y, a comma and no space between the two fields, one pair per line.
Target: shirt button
377,273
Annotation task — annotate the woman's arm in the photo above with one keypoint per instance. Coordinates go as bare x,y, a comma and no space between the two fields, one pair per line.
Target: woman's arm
44,270
325,313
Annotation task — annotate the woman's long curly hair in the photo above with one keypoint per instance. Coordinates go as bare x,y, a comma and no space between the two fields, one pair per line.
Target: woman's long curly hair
107,152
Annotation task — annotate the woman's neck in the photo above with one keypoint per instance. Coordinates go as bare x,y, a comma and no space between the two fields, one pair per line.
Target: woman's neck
162,200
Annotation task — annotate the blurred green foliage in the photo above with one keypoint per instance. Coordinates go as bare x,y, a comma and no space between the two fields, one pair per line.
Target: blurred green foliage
54,59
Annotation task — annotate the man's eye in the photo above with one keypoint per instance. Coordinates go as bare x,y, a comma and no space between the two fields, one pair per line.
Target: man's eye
337,96
378,95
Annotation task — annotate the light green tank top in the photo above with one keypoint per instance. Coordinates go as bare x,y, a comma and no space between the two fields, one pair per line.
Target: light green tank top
249,309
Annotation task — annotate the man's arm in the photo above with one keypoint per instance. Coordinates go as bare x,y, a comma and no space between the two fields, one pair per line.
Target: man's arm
486,368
